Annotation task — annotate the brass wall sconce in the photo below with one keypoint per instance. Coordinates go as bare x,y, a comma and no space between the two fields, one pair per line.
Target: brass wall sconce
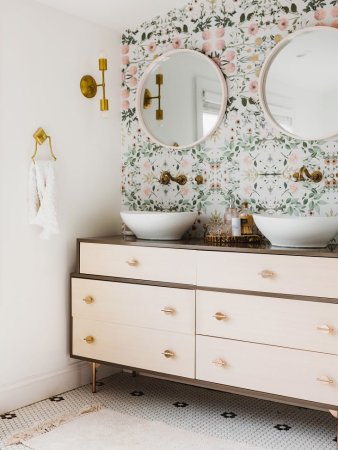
89,86
40,137
316,176
147,98
166,178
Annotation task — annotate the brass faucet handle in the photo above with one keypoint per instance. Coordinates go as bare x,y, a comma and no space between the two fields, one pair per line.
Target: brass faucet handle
165,178
181,180
199,179
317,176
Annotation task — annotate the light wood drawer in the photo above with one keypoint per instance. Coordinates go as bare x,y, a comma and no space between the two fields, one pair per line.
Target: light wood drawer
289,323
144,263
134,304
312,276
135,347
291,373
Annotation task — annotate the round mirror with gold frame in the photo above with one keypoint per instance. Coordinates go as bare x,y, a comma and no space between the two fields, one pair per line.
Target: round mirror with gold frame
299,84
181,98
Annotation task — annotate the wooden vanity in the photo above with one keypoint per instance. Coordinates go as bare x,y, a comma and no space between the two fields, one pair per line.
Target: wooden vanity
257,321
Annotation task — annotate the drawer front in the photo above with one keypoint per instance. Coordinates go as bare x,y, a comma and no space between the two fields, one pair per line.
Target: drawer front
291,373
135,347
134,304
144,263
297,275
288,323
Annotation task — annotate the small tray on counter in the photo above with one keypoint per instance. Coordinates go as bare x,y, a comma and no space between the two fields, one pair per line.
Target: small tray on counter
223,240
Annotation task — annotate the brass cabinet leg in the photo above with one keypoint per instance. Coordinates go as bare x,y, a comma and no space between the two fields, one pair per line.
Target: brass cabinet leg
94,378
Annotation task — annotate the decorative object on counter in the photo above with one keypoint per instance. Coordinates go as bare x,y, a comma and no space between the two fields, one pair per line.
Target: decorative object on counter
229,215
40,136
316,176
158,225
147,99
88,85
295,98
246,220
41,190
226,240
296,231
228,232
194,98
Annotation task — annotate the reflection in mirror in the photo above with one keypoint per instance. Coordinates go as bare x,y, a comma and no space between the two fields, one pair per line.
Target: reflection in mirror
181,98
299,84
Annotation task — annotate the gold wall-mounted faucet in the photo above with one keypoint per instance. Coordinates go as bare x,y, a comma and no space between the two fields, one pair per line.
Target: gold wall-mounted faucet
316,176
166,178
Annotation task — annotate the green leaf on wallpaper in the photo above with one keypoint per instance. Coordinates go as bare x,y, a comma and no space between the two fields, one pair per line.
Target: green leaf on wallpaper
179,29
185,28
143,37
244,101
242,18
293,7
285,9
149,35
251,101
250,15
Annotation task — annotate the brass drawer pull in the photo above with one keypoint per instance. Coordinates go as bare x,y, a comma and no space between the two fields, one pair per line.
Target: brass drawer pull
325,379
132,262
168,354
88,300
325,328
168,310
89,339
266,273
220,316
219,362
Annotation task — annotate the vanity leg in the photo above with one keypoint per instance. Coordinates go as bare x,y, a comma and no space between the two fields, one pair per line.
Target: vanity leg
94,369
335,414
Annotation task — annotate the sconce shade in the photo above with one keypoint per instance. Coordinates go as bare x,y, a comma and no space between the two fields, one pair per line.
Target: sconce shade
88,86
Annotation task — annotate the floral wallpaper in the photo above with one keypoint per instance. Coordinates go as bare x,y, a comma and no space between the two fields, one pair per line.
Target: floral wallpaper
245,158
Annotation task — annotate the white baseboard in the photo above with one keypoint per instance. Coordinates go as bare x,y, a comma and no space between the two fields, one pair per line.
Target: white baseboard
38,388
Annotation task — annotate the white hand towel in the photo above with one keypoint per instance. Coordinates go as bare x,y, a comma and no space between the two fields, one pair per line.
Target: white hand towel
41,191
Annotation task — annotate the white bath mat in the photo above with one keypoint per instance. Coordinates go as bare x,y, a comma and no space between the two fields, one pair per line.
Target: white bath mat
106,429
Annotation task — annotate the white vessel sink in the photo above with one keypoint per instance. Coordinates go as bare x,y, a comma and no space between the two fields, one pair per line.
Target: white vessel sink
158,225
294,231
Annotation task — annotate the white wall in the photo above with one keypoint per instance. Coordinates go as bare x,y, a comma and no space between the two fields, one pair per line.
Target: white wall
43,54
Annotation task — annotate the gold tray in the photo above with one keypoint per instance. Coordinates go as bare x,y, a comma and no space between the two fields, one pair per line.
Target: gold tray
233,240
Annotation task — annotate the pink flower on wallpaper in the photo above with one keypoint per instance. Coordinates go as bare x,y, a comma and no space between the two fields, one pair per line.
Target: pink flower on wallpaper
220,44
125,93
206,34
184,191
185,163
132,70
125,104
123,76
146,165
125,60
125,49
247,160
283,23
230,68
334,24
152,46
293,158
253,86
230,55
219,32
133,82
206,47
293,188
176,42
146,191
253,29
334,11
320,14
248,189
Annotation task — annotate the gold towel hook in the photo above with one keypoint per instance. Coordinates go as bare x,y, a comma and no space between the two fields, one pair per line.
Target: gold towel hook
40,136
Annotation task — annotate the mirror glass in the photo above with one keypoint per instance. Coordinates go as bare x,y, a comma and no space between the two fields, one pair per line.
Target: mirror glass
299,84
181,98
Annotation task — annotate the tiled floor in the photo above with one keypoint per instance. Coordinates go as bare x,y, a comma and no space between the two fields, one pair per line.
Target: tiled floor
257,422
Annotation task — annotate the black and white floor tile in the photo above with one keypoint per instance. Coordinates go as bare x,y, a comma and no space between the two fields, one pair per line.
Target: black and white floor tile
243,419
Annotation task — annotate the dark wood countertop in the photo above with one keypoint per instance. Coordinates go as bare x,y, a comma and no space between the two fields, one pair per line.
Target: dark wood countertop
198,244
